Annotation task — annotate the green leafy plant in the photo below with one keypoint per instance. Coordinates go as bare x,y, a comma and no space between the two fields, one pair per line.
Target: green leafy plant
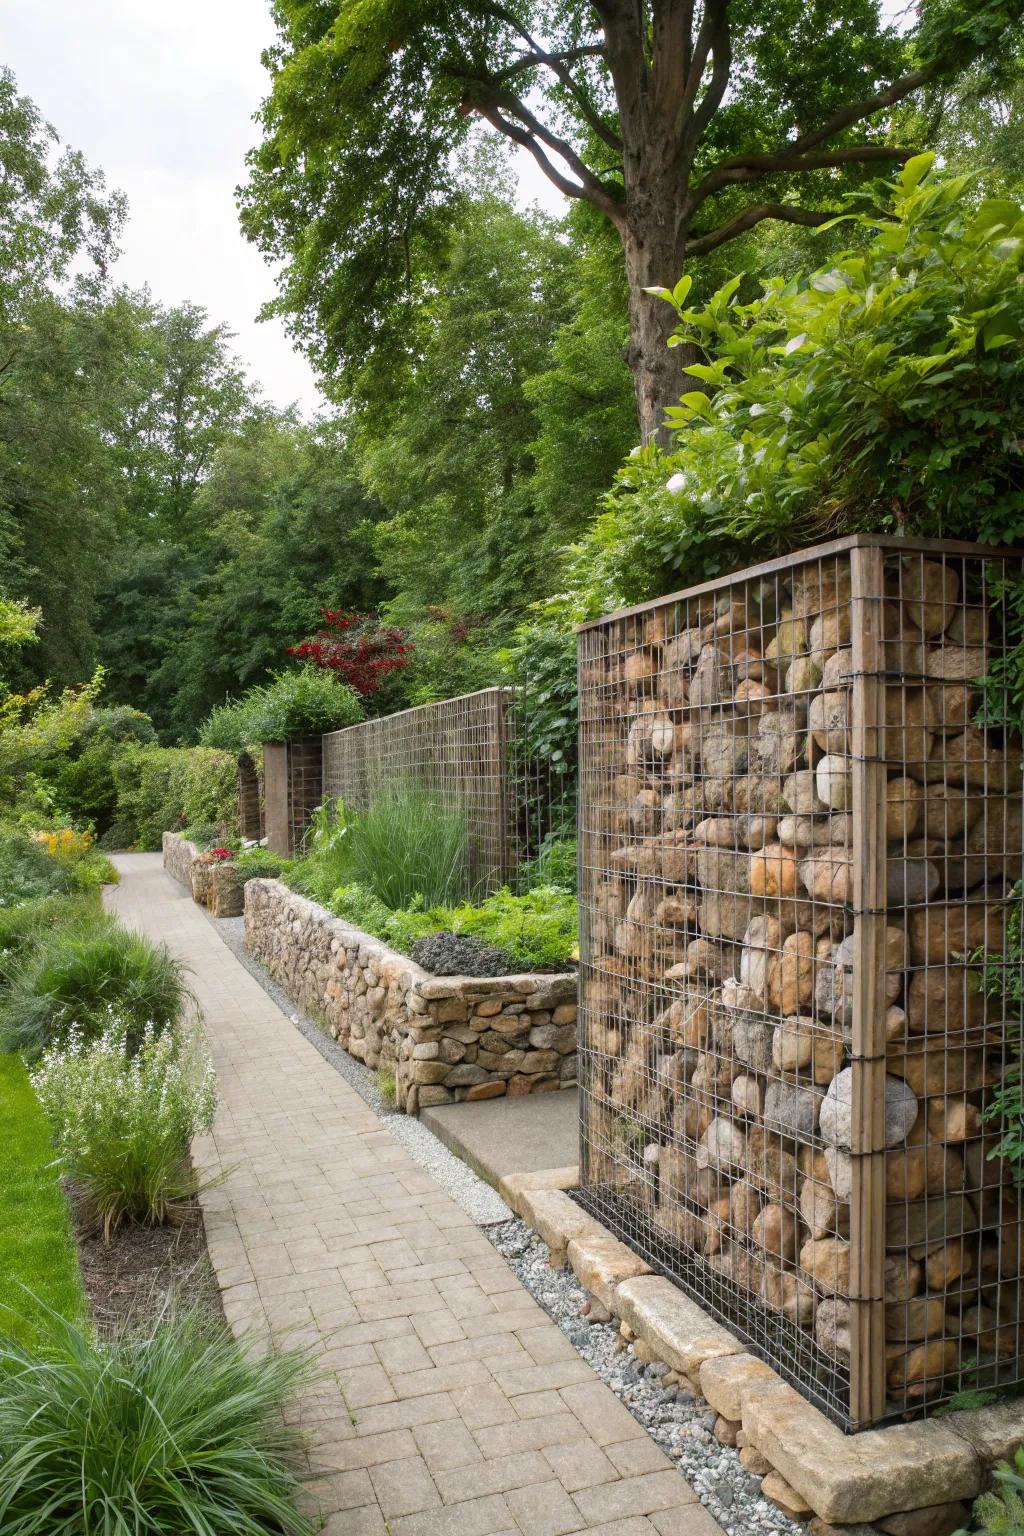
537,930
880,392
1000,1511
409,843
386,1085
304,702
262,864
122,1124
80,974
179,1431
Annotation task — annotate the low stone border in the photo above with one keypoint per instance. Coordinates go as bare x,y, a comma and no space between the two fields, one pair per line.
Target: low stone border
179,855
445,1038
903,1480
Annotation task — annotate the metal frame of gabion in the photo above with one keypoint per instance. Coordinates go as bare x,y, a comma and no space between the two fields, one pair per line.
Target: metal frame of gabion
468,752
800,828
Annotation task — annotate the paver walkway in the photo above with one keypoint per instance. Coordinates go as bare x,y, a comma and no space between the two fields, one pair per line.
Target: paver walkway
453,1406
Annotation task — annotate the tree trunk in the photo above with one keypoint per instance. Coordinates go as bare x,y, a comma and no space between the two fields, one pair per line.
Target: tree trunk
654,259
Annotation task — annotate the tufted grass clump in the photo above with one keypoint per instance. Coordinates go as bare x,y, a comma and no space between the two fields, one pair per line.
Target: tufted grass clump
122,1124
408,844
80,974
178,1431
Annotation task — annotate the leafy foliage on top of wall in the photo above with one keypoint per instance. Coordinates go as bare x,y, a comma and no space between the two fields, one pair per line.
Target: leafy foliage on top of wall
881,392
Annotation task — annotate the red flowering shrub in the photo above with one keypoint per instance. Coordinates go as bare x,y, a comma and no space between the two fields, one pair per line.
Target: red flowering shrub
222,853
357,647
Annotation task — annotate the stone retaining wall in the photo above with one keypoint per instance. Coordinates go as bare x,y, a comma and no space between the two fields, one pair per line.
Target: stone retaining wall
445,1038
178,856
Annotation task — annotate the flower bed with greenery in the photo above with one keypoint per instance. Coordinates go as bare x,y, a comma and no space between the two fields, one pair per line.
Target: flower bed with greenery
399,871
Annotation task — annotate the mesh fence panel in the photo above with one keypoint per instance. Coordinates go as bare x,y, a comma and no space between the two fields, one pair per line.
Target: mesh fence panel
470,753
799,840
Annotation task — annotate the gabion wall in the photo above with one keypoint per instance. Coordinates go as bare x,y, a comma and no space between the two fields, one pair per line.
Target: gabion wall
799,841
467,752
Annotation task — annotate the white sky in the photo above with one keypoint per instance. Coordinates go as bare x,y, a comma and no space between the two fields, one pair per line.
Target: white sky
160,94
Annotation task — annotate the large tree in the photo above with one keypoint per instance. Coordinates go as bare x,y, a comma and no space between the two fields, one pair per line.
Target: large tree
684,122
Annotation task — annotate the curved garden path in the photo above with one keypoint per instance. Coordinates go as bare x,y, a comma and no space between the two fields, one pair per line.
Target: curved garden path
452,1404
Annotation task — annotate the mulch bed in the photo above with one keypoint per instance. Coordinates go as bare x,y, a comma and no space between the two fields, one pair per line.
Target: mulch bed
128,1280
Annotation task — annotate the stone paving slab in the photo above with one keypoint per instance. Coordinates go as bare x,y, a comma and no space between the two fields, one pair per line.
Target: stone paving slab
498,1137
452,1404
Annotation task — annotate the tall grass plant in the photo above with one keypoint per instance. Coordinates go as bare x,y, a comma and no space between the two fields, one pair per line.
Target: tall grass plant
180,1431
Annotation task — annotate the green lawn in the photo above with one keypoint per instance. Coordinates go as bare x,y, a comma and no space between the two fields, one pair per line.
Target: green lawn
37,1249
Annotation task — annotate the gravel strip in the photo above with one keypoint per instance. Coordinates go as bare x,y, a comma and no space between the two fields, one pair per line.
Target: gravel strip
469,1192
679,1422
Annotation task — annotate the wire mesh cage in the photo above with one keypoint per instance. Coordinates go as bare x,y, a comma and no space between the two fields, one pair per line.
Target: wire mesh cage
800,833
472,753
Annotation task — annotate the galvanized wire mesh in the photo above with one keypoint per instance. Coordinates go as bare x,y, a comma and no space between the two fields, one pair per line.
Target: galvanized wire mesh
798,850
470,753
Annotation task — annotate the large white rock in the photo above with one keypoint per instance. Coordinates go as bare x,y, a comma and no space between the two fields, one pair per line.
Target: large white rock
836,1118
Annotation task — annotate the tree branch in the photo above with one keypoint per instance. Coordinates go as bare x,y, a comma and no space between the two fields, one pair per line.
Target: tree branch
538,56
713,41
512,105
594,194
786,212
858,110
746,168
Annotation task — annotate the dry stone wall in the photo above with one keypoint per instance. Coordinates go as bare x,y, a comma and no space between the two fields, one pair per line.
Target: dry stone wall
799,847
445,1039
178,855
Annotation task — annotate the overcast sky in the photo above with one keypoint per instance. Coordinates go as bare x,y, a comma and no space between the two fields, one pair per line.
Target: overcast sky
160,94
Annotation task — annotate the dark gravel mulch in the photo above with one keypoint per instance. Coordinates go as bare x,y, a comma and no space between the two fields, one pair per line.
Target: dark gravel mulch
128,1280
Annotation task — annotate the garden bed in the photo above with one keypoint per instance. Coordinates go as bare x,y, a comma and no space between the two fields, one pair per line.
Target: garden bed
127,1280
444,1039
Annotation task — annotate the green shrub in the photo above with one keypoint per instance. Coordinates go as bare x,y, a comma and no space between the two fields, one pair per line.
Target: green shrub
84,786
205,834
325,863
539,929
262,864
409,844
82,974
162,789
880,393
555,865
356,905
304,702
27,871
122,1124
179,1431
34,922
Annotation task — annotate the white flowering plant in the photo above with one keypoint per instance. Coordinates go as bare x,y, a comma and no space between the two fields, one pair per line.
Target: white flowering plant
122,1124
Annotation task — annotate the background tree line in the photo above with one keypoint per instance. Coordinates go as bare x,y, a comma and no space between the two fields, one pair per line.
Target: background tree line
175,528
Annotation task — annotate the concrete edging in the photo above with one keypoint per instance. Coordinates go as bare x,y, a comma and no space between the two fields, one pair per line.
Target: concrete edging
926,1467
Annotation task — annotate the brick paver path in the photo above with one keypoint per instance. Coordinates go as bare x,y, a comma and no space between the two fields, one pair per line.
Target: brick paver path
453,1405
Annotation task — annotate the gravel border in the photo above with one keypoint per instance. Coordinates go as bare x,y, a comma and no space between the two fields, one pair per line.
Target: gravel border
678,1421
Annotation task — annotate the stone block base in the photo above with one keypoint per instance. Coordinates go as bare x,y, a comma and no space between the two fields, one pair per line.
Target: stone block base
911,1479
